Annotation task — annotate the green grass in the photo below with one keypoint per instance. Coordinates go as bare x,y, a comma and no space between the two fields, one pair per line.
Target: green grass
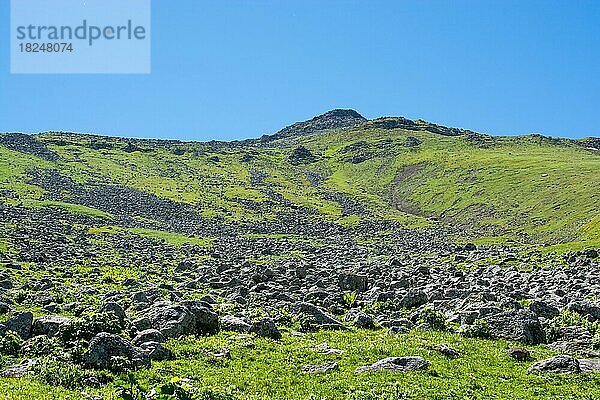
272,370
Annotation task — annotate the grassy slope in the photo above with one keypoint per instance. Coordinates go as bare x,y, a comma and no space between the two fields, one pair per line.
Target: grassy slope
527,189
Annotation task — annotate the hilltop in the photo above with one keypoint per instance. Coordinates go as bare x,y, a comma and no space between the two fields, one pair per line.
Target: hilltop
230,263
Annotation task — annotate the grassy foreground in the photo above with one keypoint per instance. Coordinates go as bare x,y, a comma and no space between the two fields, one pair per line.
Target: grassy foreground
273,370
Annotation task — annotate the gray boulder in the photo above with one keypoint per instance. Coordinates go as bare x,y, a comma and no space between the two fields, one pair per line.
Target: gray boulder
206,320
156,351
521,325
561,364
266,328
353,282
316,369
544,309
234,324
364,321
414,298
20,323
19,370
49,325
315,317
586,309
105,347
172,320
148,335
589,365
396,364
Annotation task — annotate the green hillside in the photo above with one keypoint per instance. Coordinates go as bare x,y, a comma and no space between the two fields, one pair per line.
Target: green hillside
529,190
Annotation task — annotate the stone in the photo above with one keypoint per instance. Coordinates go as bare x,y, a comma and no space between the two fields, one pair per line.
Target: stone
543,309
520,325
352,282
105,347
110,307
519,353
49,325
396,364
266,327
317,369
317,317
19,370
561,364
206,320
586,309
156,351
171,320
413,298
589,365
234,324
148,335
364,321
447,351
20,323
324,348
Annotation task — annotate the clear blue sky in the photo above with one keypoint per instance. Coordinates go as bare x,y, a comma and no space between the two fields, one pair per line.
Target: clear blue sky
238,69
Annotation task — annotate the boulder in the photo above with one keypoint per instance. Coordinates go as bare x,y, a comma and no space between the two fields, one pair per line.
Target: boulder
19,370
156,351
148,335
544,309
172,320
317,317
110,307
20,323
561,364
364,321
234,324
105,347
396,364
447,351
414,298
521,325
316,369
206,320
519,353
266,328
589,365
586,308
49,325
352,282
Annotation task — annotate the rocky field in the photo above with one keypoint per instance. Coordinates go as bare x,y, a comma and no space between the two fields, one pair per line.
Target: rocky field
339,258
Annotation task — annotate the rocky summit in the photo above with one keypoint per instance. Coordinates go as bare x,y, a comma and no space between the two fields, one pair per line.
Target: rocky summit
339,258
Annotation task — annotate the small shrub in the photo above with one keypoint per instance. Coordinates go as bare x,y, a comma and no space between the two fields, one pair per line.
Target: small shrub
569,318
435,319
479,329
349,299
10,344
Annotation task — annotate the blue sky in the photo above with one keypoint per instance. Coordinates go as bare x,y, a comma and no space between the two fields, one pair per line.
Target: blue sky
237,69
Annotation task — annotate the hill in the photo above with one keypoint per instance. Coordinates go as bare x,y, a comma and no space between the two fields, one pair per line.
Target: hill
229,263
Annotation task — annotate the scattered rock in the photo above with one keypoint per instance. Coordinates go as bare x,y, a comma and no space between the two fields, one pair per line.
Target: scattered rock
519,353
49,325
19,370
447,351
105,347
396,364
266,328
20,323
561,364
316,369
